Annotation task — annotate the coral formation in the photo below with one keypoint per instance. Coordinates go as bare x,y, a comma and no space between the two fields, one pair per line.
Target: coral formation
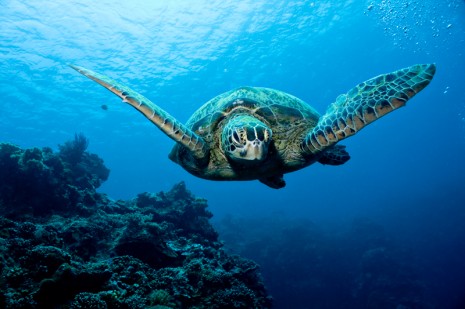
39,181
65,245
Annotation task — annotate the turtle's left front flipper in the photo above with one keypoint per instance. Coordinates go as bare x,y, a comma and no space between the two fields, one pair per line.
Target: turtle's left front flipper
164,121
365,103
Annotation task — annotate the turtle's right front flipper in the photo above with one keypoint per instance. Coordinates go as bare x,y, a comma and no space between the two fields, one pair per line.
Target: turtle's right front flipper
366,103
164,121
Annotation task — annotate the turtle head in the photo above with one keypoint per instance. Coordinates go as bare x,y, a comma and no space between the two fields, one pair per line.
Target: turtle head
245,139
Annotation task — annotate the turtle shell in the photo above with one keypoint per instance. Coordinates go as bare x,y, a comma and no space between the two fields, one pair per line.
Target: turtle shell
277,109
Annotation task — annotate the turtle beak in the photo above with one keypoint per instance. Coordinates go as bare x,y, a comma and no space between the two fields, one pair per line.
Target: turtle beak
255,150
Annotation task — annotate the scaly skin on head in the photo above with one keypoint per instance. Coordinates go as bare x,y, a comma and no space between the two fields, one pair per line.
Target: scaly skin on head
245,139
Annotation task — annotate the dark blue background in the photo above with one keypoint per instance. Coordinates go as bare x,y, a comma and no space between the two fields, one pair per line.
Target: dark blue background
407,170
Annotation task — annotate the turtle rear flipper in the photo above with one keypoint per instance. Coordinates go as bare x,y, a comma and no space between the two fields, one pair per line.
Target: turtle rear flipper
335,155
366,103
275,182
164,121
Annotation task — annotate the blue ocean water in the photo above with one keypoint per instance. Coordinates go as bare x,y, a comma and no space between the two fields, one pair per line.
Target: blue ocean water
407,170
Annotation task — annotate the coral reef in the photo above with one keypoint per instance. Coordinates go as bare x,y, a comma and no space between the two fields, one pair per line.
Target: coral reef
38,182
62,244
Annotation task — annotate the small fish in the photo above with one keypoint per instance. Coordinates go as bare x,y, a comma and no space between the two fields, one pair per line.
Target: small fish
104,107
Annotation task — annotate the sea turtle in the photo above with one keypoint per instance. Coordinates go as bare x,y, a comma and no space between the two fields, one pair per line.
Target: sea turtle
260,133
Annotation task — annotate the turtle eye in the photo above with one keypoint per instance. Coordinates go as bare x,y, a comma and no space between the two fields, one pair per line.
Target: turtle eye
267,135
